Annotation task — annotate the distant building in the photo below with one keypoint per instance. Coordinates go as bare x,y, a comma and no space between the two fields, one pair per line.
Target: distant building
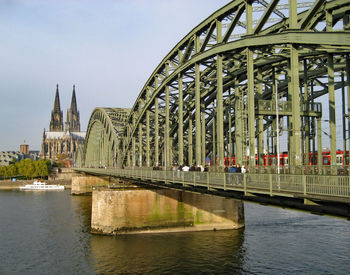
7,157
34,155
62,142
24,148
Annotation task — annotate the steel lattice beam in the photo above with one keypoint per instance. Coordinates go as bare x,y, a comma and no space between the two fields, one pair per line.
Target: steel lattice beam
213,95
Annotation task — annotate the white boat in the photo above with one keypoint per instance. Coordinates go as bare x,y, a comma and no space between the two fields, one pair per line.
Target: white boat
40,185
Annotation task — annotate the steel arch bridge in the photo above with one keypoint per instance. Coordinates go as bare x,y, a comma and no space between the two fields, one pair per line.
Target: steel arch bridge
251,74
103,138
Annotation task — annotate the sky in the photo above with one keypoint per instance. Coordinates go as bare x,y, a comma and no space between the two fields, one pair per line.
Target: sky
106,48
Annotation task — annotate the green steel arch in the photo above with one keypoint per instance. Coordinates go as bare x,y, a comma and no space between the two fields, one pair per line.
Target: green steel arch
231,85
79,156
103,138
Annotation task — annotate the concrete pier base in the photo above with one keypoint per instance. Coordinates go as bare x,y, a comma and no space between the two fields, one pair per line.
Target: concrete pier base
162,210
82,185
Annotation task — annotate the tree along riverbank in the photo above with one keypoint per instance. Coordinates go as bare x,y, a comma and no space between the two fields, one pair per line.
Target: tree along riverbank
10,185
28,168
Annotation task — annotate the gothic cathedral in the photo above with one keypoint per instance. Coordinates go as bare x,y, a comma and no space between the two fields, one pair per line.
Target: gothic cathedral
61,143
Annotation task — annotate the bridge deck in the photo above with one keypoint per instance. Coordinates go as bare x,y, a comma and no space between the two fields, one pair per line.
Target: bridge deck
311,189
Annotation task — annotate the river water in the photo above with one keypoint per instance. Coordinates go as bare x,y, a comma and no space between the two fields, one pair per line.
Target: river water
48,233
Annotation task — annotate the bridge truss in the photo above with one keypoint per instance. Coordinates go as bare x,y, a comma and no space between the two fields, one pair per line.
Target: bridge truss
103,138
250,72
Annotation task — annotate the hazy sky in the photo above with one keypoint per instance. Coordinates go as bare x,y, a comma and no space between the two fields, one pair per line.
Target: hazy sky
108,49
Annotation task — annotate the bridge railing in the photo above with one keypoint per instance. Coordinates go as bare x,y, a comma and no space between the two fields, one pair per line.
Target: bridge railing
335,186
303,169
272,184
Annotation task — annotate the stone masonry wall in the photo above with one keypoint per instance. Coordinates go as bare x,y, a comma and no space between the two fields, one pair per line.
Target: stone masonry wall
84,184
162,210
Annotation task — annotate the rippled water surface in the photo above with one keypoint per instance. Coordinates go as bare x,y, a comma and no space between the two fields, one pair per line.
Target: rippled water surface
48,233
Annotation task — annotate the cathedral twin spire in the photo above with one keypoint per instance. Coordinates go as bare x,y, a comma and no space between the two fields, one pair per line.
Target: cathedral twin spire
56,123
72,120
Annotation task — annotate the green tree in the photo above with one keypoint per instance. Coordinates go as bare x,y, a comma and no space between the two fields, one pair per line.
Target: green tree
6,174
20,167
41,168
29,168
3,171
11,170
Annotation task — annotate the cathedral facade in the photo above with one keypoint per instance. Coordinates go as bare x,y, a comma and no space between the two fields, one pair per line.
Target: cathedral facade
63,140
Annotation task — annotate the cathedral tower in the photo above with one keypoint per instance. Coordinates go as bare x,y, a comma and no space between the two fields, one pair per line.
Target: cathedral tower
61,144
56,123
73,120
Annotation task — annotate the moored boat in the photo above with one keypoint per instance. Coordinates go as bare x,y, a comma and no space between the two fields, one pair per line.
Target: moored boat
40,185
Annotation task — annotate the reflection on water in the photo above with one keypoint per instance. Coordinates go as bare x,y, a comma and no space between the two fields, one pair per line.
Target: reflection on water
81,206
48,233
175,252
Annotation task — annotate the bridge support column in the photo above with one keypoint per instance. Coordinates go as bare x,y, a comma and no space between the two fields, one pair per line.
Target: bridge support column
220,112
140,155
190,141
198,135
319,142
167,158
306,136
82,185
214,162
251,107
229,117
156,132
162,210
133,151
181,124
148,147
260,122
203,136
296,159
238,126
332,118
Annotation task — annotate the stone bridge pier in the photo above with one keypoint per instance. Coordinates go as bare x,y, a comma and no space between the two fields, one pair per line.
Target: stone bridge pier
161,210
83,184
124,208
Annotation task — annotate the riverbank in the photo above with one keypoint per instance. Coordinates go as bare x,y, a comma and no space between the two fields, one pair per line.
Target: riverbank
9,185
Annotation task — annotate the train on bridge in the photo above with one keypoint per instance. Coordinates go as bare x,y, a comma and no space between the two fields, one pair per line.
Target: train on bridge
270,159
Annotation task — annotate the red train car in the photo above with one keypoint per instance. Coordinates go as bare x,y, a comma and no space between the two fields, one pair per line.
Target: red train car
341,158
270,160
